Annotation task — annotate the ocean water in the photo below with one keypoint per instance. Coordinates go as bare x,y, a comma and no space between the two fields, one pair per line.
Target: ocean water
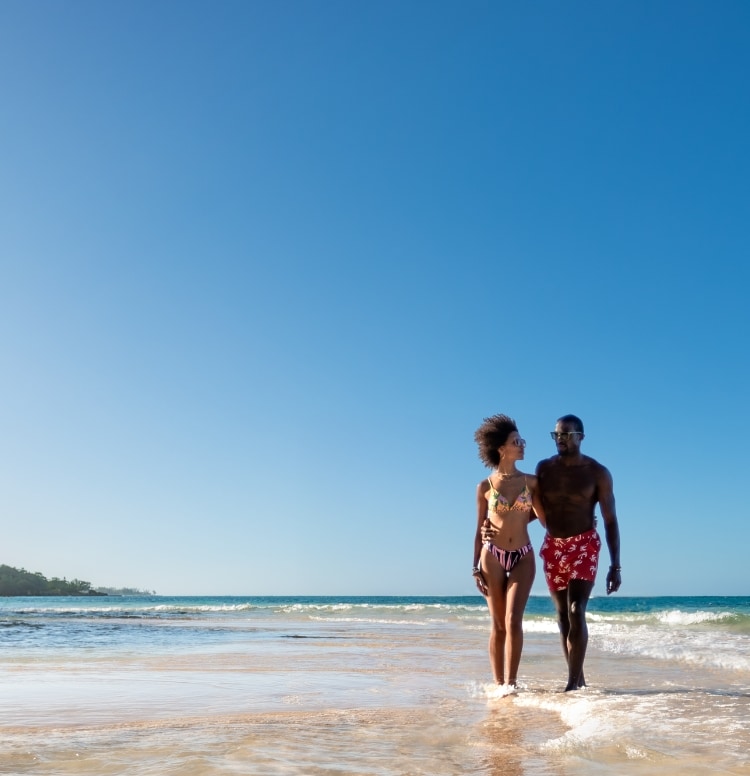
376,686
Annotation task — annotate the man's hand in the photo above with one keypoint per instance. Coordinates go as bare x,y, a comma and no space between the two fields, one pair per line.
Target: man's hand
613,580
489,532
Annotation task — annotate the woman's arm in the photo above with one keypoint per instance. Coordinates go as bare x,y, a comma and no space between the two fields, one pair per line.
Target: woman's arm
481,517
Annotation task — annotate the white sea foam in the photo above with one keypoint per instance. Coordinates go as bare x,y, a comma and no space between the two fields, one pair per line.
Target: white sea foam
598,721
665,617
303,607
423,622
701,649
648,725
540,626
197,609
491,691
678,617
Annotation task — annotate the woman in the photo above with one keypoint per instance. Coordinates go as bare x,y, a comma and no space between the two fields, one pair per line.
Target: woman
504,565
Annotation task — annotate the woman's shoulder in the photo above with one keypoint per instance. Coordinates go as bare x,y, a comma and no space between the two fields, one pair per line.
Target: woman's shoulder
484,485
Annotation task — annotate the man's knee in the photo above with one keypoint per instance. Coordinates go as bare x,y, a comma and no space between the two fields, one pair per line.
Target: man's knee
578,598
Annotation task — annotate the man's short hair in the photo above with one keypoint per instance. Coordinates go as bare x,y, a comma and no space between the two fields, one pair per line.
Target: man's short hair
574,419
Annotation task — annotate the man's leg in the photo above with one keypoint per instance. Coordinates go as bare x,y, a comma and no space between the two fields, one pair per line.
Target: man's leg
578,594
560,600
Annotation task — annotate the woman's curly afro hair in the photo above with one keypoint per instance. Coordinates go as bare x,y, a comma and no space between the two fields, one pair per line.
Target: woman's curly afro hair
493,433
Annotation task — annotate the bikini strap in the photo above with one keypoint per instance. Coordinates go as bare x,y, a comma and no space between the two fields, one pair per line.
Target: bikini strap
489,479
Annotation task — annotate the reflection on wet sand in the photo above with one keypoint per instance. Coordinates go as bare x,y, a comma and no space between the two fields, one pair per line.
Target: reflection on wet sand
512,736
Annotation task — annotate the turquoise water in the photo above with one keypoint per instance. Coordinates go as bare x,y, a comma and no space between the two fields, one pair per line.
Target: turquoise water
319,685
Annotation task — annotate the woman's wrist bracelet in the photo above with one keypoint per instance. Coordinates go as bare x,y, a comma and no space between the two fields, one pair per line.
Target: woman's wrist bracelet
476,570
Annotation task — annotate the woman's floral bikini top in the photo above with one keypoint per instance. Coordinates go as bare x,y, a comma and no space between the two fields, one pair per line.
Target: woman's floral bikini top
498,503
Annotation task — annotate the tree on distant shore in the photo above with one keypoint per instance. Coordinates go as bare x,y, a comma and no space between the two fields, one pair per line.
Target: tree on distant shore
21,582
125,591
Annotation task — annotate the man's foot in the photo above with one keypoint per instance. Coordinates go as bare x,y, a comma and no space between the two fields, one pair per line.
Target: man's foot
576,684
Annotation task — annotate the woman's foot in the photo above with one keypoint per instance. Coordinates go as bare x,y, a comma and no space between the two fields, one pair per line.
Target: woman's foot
504,690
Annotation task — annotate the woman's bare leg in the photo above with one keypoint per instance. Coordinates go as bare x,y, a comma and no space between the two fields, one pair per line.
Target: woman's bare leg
520,581
494,576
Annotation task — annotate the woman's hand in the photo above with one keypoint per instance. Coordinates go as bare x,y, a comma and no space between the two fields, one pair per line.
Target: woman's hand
481,584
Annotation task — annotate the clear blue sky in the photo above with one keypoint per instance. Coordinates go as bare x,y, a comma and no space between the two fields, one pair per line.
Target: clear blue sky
265,266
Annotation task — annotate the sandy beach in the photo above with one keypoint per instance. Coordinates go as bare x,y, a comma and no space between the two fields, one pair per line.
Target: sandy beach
387,686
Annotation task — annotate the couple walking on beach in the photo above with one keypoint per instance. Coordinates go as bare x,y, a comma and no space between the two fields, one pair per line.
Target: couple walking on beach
562,494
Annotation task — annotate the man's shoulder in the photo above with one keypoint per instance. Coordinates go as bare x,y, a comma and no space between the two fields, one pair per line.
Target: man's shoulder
593,462
545,463
598,467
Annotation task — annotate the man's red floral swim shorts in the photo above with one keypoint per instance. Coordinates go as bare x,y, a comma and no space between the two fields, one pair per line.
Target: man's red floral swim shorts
574,557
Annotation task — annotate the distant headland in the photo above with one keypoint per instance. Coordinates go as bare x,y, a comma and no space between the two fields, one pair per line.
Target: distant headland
19,582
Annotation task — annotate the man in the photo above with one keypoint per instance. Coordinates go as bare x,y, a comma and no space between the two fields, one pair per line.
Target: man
570,485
